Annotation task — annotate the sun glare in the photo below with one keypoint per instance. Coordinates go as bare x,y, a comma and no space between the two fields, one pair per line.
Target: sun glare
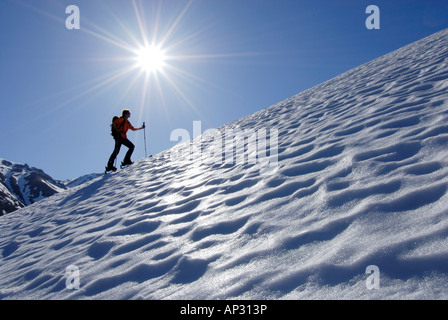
151,59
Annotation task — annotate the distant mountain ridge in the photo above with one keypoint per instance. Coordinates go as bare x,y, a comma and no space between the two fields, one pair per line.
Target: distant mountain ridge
22,185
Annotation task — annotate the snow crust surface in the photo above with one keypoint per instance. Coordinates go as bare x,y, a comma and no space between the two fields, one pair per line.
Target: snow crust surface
361,180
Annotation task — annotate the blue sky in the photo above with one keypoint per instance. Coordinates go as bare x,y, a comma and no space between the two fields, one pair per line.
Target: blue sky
225,59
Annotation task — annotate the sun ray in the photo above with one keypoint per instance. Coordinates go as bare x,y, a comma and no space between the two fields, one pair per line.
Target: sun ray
212,56
122,25
128,89
156,23
41,12
140,24
118,43
107,37
108,80
175,23
91,85
194,79
144,92
159,90
182,95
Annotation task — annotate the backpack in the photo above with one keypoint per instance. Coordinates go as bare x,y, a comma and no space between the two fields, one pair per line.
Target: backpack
115,134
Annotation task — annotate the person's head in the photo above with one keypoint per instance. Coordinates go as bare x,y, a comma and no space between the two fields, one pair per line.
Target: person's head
126,113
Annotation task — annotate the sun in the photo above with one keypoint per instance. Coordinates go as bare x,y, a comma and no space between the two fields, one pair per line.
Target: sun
150,59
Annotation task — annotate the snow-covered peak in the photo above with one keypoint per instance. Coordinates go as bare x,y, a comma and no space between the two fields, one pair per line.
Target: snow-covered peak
27,184
22,185
355,205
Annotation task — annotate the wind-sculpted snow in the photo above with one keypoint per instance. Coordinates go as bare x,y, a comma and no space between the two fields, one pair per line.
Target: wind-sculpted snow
361,180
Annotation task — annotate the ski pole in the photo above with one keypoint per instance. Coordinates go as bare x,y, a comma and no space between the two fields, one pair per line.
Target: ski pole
144,136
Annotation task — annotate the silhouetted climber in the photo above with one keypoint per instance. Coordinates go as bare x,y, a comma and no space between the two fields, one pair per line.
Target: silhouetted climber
119,128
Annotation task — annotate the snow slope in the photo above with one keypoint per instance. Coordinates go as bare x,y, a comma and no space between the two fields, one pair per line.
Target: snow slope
361,180
80,180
